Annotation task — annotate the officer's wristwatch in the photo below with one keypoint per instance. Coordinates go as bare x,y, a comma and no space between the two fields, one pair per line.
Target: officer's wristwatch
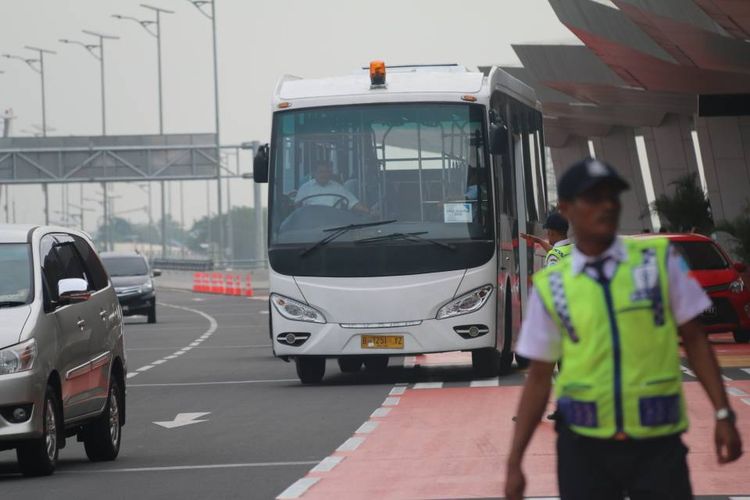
727,414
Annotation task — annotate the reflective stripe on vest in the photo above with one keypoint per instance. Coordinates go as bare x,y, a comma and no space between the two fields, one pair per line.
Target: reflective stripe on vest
559,252
621,372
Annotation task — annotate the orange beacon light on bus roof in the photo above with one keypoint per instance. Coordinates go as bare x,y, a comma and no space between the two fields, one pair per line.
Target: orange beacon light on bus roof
377,73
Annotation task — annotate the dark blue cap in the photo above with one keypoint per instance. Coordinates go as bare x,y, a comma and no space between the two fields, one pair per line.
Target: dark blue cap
556,222
584,175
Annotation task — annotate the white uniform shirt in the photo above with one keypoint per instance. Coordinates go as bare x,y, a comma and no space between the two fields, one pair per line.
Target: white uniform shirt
552,258
541,340
312,187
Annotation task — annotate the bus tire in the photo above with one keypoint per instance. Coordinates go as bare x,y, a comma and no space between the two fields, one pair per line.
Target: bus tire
486,362
350,364
310,369
522,362
376,363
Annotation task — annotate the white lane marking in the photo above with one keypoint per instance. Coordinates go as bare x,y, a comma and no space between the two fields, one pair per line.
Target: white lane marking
409,361
380,412
735,391
298,488
327,464
258,297
726,379
213,325
746,401
397,391
367,427
262,312
391,401
687,371
227,382
492,382
739,498
351,444
746,370
189,467
183,419
428,385
399,384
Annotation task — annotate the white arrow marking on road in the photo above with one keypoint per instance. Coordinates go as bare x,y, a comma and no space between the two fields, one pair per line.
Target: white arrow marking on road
183,419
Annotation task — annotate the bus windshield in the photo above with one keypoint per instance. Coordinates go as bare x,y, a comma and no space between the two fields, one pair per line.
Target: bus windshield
420,167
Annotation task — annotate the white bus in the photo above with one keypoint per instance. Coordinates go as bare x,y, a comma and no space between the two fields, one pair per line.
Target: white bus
395,203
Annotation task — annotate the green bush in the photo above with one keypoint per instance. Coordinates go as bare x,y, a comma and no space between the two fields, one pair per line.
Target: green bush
688,209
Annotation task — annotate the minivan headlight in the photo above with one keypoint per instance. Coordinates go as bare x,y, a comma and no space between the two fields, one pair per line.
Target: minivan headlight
297,311
737,286
147,286
18,358
466,303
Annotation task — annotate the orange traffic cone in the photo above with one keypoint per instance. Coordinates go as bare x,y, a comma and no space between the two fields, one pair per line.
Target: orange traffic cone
248,285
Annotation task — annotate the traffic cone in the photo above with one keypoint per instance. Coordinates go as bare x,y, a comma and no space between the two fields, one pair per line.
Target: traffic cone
248,285
197,282
237,285
217,283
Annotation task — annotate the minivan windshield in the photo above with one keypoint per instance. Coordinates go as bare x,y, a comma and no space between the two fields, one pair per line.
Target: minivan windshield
702,255
16,276
125,266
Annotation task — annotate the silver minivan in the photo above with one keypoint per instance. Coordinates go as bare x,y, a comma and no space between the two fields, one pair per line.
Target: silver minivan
62,360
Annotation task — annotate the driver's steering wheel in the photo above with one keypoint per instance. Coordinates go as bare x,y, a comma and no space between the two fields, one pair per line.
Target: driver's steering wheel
342,203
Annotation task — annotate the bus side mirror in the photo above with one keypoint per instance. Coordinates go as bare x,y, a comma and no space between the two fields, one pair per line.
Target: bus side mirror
260,165
498,139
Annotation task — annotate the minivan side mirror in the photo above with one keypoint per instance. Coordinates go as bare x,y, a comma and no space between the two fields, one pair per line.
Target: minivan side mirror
155,273
72,291
740,267
260,164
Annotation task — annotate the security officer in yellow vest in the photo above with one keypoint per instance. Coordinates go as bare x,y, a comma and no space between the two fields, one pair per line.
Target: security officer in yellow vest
614,310
557,245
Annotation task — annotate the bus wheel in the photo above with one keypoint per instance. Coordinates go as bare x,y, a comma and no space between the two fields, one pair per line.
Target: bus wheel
350,364
486,362
310,370
376,363
522,362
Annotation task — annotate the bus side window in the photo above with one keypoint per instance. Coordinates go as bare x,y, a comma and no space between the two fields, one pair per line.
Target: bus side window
503,165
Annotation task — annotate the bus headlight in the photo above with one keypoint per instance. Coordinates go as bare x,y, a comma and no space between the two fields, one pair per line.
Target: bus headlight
296,311
18,358
466,303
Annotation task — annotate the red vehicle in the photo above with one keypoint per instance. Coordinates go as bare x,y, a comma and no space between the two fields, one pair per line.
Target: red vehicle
725,281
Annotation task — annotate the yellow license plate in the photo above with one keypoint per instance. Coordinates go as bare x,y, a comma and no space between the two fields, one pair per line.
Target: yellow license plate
382,341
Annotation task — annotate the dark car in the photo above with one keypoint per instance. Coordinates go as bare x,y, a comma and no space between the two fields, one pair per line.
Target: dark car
723,281
132,279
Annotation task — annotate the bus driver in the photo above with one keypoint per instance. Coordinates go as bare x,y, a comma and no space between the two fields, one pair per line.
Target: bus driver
323,190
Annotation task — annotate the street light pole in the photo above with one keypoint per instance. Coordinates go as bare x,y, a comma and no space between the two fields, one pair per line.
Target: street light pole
200,4
31,64
92,49
146,25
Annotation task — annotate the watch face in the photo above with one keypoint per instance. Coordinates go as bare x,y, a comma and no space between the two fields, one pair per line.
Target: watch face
722,414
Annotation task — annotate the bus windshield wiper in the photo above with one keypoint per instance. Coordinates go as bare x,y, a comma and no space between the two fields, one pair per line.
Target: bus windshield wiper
338,231
417,236
11,303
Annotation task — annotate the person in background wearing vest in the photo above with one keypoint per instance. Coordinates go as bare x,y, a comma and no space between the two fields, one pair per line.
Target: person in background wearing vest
614,310
557,245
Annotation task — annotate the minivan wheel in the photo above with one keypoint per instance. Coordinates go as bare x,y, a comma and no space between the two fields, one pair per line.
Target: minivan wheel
38,457
103,436
310,369
741,336
152,314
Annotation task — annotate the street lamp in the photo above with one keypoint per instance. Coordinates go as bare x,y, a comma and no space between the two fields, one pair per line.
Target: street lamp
156,33
31,63
201,5
96,50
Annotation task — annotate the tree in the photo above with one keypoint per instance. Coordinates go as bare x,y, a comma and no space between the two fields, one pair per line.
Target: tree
202,237
688,209
739,227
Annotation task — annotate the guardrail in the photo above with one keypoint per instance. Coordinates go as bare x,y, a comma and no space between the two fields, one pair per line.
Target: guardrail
183,264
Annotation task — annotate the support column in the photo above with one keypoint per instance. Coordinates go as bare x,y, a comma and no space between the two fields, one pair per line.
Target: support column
670,152
619,150
725,148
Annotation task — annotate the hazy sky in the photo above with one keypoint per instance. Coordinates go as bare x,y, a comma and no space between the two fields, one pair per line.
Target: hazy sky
259,40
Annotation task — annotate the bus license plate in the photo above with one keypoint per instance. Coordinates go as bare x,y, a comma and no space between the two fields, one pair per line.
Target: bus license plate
382,341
